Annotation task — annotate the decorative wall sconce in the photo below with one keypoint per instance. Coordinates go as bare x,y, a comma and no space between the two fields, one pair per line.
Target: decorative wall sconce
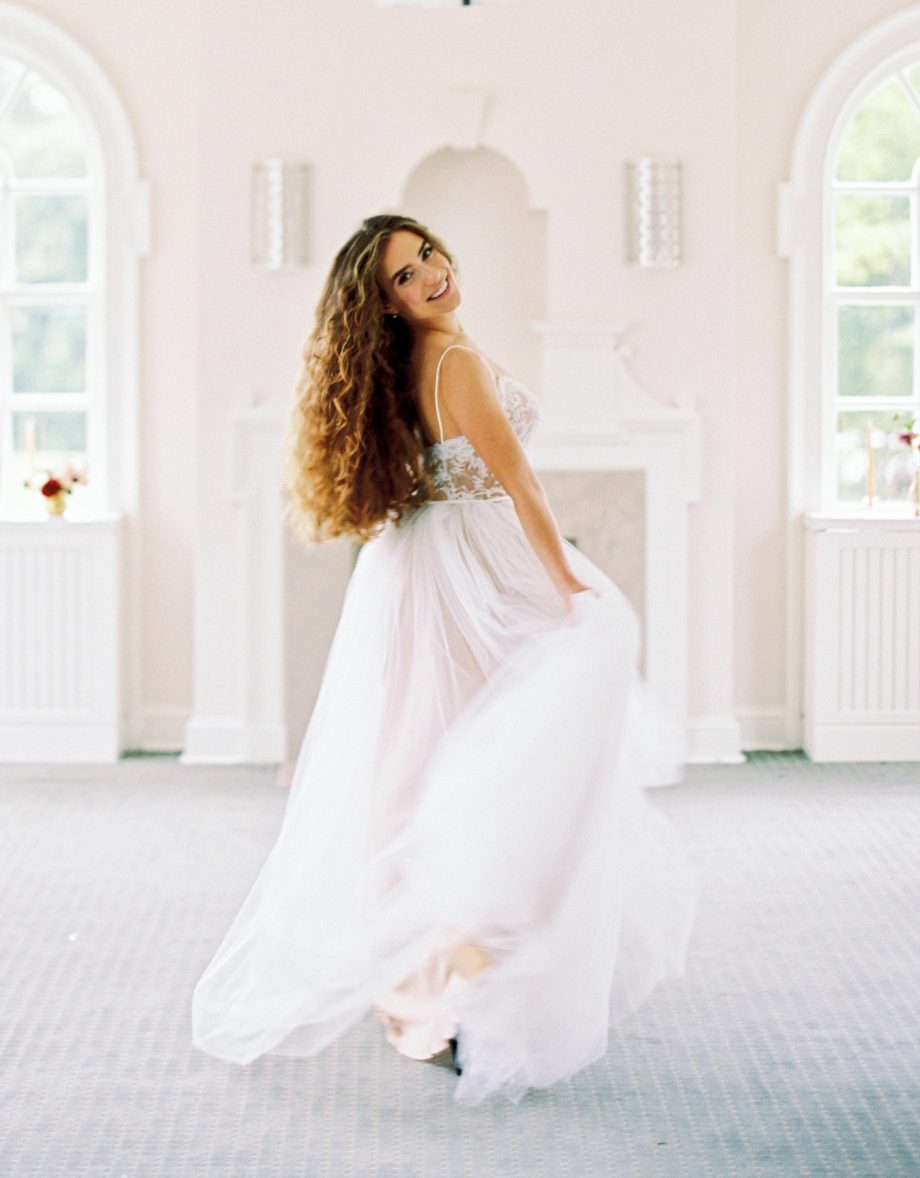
653,211
280,214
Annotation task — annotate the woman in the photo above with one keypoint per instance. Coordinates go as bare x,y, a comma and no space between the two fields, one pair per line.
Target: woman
466,847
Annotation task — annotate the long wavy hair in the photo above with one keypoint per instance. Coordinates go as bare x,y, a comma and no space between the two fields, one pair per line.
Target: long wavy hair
354,454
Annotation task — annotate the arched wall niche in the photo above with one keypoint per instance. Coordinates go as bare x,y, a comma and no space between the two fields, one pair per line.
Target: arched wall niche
803,214
477,201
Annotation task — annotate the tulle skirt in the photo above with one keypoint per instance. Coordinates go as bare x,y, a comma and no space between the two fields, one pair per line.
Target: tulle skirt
472,775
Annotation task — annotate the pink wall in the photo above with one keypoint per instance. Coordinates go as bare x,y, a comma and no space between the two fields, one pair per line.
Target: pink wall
577,88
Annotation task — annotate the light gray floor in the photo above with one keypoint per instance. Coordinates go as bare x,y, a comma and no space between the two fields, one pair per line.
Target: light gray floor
791,1049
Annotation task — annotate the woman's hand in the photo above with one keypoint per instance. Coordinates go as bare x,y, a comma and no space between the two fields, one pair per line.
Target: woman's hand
571,592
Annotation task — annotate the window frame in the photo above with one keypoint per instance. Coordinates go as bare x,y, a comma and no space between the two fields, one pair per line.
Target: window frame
89,295
122,238
835,296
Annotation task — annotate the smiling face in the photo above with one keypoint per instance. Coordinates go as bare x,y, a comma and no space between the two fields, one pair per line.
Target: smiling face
418,281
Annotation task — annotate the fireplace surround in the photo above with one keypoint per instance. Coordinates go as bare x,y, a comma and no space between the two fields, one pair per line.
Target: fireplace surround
620,467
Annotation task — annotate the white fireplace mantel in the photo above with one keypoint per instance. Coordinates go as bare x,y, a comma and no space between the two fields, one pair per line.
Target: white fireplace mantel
253,731
596,418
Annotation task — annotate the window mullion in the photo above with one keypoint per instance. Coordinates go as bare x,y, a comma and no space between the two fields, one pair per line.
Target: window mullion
909,91
874,295
13,95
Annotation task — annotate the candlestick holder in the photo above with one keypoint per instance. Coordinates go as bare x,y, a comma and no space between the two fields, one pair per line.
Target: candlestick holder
869,497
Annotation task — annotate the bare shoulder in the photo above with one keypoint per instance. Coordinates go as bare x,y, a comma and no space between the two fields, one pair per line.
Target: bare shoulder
469,394
438,350
464,367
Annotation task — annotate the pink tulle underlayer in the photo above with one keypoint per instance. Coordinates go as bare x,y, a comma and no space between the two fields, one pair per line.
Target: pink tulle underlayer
467,848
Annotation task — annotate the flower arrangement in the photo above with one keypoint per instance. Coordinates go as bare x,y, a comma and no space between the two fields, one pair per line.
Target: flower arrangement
910,437
57,485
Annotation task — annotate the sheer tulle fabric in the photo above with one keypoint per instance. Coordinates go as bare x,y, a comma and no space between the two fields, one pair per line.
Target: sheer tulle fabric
473,773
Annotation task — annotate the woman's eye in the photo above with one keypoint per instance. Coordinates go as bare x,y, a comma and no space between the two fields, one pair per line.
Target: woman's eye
427,251
403,278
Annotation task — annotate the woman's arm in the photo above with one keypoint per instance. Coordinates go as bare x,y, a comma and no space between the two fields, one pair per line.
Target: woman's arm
467,392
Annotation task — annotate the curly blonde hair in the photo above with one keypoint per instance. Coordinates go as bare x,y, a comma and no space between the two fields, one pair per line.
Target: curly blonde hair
354,454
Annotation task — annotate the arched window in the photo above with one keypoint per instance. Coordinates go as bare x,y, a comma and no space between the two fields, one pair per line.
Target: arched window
872,282
849,225
74,220
51,265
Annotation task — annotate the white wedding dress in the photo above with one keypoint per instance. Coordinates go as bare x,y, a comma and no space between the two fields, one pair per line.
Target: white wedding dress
472,774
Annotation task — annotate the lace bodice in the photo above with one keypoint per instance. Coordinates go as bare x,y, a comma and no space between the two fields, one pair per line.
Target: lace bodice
456,468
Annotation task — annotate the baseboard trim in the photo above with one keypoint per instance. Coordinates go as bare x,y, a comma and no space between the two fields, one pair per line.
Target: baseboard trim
764,728
158,728
57,742
863,742
714,740
221,740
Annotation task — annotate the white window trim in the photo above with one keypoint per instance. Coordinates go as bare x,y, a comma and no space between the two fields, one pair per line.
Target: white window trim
804,231
123,220
906,296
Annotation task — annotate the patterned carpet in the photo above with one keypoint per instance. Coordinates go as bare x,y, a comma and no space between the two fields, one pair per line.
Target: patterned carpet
791,1049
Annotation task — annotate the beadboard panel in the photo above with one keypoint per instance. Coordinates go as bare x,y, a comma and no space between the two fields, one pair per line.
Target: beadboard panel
862,639
60,620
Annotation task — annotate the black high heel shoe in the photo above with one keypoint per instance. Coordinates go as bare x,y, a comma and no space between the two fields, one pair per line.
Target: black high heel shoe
447,1057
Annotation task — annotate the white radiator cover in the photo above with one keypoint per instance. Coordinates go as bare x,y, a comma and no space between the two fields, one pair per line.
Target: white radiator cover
862,639
60,620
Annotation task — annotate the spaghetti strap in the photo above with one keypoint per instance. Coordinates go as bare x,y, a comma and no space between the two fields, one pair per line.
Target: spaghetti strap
437,374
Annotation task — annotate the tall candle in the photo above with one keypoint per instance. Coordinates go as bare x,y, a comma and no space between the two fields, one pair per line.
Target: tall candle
30,440
870,467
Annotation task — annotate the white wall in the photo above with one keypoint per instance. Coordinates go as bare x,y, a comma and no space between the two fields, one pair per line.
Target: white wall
577,88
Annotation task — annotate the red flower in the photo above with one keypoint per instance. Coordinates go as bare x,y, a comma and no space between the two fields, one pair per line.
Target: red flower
51,487
908,437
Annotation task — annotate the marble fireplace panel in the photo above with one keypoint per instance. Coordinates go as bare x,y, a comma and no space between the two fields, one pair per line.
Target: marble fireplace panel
603,513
